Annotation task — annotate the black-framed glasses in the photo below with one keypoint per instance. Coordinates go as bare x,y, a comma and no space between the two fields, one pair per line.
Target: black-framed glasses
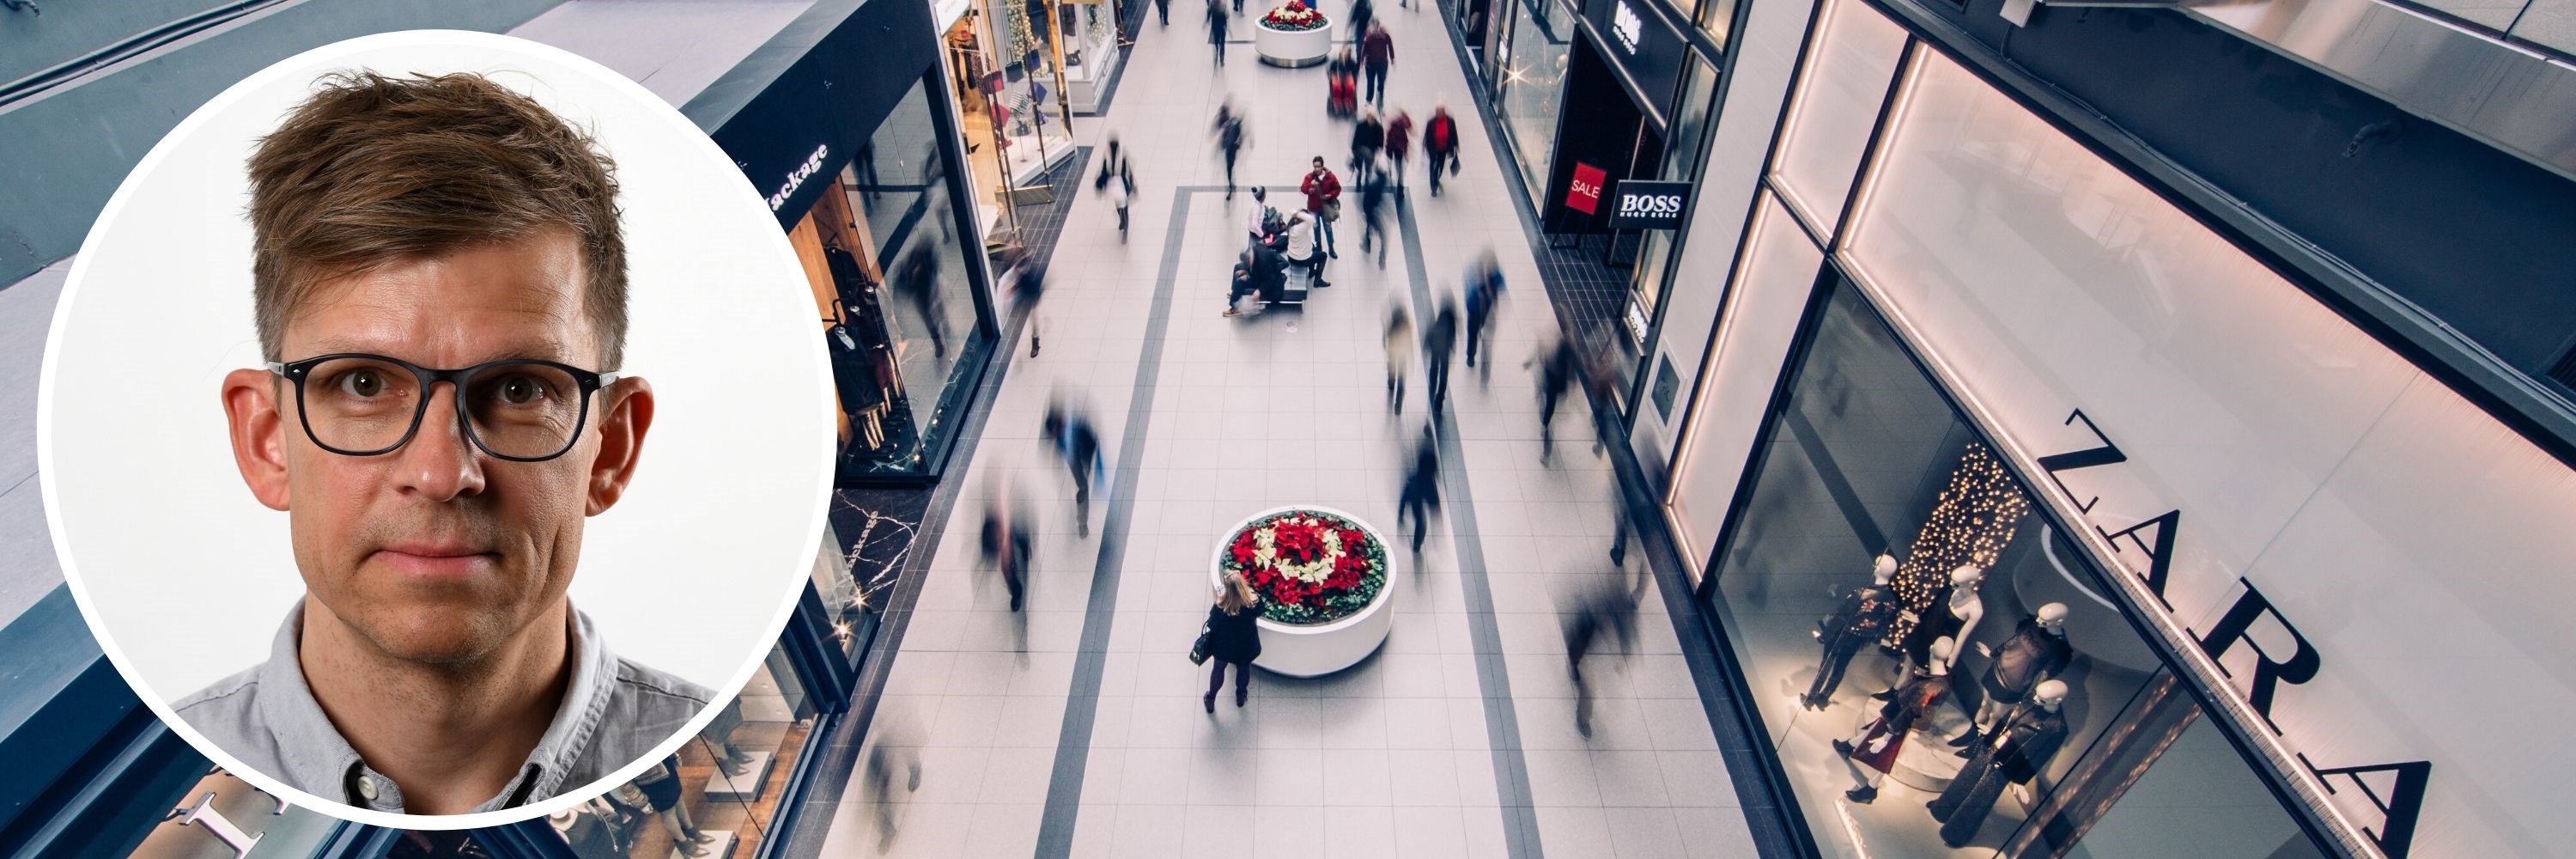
522,410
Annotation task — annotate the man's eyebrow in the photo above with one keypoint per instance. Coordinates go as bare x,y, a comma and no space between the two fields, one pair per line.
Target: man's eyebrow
548,348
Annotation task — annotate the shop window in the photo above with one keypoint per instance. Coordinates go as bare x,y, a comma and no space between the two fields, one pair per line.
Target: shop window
2025,739
1530,85
902,312
1689,131
1851,62
719,794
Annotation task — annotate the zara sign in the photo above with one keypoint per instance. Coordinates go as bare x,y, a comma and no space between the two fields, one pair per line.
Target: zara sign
1643,205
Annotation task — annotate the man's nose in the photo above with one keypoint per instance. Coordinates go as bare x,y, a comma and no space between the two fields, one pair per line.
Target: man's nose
440,463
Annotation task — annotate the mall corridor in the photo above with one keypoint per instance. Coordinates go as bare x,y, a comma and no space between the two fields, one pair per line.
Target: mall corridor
1073,728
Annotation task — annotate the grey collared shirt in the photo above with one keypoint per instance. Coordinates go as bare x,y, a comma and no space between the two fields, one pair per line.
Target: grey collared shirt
614,711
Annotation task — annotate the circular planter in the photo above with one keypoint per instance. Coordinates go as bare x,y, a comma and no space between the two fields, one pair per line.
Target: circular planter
1292,48
1300,650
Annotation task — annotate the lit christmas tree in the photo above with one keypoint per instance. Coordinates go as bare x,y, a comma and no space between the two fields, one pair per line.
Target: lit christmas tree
1970,525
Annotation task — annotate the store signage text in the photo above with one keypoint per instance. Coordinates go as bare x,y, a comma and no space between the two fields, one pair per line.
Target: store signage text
2155,538
1585,194
796,178
1646,205
1628,26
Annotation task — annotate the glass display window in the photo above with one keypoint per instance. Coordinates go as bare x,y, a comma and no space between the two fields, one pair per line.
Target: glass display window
719,794
1932,658
1530,85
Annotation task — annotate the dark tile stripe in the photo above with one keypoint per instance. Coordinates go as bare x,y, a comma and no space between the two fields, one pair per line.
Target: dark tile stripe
1082,697
1502,721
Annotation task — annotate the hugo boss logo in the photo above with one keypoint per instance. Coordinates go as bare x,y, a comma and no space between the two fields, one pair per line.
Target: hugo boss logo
1650,204
797,177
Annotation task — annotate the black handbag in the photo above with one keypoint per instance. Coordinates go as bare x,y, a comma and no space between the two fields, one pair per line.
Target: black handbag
1199,650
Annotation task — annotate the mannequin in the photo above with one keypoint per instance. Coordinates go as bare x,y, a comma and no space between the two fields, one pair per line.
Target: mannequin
1861,618
2013,753
657,791
1954,616
2036,651
1876,748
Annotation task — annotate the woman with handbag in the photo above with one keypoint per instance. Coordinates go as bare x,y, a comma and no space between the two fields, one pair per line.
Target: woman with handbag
1231,637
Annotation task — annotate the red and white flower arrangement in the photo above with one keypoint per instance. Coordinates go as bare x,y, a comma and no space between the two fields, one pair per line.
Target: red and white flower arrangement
1295,15
1309,567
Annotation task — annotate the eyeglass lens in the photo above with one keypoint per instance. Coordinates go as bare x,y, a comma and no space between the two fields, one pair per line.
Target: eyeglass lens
515,409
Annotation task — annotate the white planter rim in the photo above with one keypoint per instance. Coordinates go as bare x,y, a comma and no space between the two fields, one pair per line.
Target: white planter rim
1216,570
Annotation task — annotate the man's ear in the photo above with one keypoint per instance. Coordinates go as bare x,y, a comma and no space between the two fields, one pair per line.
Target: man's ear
258,431
627,413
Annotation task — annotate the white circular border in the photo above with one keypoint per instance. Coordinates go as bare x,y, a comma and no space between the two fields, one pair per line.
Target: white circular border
1339,627
566,798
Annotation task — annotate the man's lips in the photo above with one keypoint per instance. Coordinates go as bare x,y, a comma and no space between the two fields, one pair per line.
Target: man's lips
435,559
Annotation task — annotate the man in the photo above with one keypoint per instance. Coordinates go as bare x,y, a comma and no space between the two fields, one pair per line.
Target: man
1399,143
1216,24
1440,145
1367,137
440,290
1256,223
1231,137
1377,52
1439,342
1373,215
1078,444
1322,187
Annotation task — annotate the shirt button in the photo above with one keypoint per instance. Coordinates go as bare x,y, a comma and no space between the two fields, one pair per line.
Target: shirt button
367,787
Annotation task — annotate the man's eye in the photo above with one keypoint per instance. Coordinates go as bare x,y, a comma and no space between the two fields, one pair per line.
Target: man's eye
362,383
520,390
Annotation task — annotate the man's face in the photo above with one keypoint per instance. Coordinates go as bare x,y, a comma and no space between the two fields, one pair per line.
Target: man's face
1319,166
436,552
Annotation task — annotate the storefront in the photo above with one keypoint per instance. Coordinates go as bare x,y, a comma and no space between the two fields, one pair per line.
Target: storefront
1593,94
857,149
1001,79
2291,564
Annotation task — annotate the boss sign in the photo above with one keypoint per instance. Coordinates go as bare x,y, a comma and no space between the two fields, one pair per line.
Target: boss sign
1641,205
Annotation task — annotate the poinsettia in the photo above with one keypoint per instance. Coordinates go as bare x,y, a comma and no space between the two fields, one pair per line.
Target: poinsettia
1308,566
1294,15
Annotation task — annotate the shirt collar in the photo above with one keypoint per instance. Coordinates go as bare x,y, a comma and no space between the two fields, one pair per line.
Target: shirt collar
314,754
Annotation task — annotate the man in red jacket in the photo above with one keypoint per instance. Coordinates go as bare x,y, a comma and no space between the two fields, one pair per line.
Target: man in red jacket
1321,187
1440,145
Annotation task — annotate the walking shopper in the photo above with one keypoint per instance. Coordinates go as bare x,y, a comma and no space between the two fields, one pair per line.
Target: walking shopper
1024,275
891,753
1324,199
1439,341
1361,11
1367,137
1373,213
1074,440
1163,10
1216,22
1231,137
1399,356
1601,608
1399,143
1440,145
1303,249
1108,167
1377,52
1558,367
1483,284
1005,547
1420,493
1233,637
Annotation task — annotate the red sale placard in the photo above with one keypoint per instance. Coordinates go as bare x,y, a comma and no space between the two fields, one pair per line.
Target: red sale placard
1586,193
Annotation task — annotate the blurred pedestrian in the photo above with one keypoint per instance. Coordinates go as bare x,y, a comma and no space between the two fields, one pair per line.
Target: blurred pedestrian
890,754
917,280
1231,138
1361,12
1005,546
1558,369
1377,53
1420,493
1163,10
1024,276
1216,23
1483,283
1367,137
1234,638
1324,198
1399,144
1439,342
1374,211
1599,609
1071,436
1120,191
1399,356
1440,145
1108,166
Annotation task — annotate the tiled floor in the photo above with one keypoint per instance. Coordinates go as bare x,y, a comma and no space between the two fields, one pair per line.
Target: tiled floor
1073,729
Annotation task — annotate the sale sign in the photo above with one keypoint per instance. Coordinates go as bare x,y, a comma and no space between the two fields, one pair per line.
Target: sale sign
1585,196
